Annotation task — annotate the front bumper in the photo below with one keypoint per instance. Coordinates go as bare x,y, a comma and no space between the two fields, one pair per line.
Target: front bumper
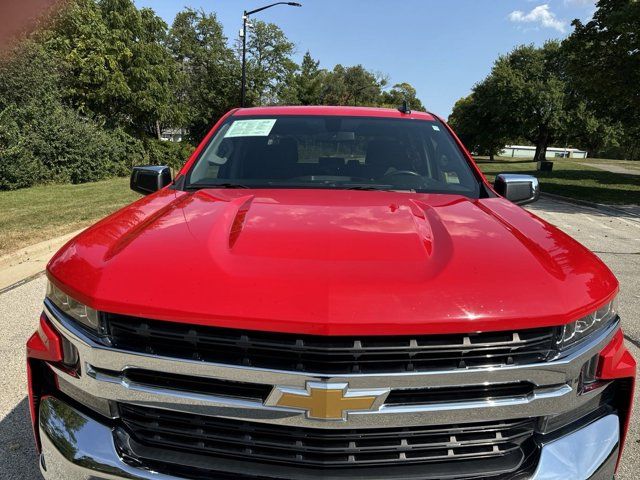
77,447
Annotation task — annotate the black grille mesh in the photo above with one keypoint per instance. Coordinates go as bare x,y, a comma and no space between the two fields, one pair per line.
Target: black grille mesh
330,354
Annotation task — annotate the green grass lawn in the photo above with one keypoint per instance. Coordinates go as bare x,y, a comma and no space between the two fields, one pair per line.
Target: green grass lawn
571,179
32,215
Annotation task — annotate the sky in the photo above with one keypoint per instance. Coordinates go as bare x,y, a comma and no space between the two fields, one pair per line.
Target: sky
441,47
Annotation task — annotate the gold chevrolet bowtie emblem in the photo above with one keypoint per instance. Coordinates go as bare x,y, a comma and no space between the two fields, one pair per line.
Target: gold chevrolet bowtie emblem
327,401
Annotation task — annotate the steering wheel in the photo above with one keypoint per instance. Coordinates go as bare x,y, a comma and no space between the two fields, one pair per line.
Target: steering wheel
395,173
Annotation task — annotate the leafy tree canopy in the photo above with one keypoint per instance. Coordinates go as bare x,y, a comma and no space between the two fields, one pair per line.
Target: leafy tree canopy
209,73
398,94
269,63
117,66
583,91
603,59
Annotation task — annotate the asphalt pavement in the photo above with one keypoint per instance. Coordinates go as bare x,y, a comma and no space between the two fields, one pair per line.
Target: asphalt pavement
615,237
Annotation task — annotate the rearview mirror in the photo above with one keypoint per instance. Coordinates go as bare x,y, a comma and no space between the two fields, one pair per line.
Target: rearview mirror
149,178
520,189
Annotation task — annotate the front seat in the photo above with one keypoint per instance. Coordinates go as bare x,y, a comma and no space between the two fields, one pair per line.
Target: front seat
383,155
278,160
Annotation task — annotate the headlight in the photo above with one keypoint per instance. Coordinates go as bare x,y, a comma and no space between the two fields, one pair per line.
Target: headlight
575,332
84,315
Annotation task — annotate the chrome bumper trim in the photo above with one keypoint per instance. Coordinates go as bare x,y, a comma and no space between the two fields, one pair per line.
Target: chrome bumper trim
556,381
76,447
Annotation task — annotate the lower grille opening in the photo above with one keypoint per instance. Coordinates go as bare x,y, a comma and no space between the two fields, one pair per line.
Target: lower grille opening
504,445
462,470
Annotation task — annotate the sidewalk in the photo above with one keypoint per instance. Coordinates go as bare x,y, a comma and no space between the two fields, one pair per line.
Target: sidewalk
612,168
18,266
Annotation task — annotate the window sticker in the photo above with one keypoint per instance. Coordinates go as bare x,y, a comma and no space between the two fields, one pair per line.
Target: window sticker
436,128
451,177
251,128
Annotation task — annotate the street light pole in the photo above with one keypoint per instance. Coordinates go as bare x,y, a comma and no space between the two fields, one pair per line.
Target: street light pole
245,18
244,59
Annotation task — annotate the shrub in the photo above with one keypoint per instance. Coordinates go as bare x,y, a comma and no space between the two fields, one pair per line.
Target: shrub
124,152
173,154
43,140
18,166
61,146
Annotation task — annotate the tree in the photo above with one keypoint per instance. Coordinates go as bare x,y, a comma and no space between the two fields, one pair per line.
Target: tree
464,120
311,85
525,96
532,95
399,93
208,82
118,67
269,63
92,81
352,86
308,82
151,74
591,130
603,60
473,120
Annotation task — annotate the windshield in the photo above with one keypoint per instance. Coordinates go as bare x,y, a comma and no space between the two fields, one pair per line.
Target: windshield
334,152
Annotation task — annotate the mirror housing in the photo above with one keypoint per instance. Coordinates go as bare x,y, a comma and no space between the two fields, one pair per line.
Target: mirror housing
149,178
520,189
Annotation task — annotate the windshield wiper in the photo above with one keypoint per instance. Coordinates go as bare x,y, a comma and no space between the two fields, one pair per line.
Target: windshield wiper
363,187
217,185
385,188
337,186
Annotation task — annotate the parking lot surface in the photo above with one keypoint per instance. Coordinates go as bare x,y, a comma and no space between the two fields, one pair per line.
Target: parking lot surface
615,237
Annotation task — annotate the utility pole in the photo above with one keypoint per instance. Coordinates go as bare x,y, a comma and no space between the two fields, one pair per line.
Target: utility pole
244,59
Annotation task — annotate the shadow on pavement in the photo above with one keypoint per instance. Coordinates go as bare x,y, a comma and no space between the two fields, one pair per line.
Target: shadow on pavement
18,459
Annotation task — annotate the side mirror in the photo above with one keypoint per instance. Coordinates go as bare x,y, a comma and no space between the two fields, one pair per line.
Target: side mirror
520,189
149,178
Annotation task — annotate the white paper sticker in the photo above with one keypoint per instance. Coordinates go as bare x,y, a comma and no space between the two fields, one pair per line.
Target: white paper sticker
251,128
436,128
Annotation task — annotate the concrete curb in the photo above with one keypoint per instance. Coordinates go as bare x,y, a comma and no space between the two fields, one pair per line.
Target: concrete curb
21,282
23,265
598,206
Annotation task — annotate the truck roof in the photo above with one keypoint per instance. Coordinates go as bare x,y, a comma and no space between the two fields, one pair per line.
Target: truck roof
334,111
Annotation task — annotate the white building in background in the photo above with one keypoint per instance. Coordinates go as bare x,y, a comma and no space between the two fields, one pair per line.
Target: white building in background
525,151
173,134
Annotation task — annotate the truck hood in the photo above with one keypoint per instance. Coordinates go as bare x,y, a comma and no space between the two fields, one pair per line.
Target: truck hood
333,262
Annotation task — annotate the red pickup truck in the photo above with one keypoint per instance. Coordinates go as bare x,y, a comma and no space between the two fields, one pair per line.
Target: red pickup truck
329,293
